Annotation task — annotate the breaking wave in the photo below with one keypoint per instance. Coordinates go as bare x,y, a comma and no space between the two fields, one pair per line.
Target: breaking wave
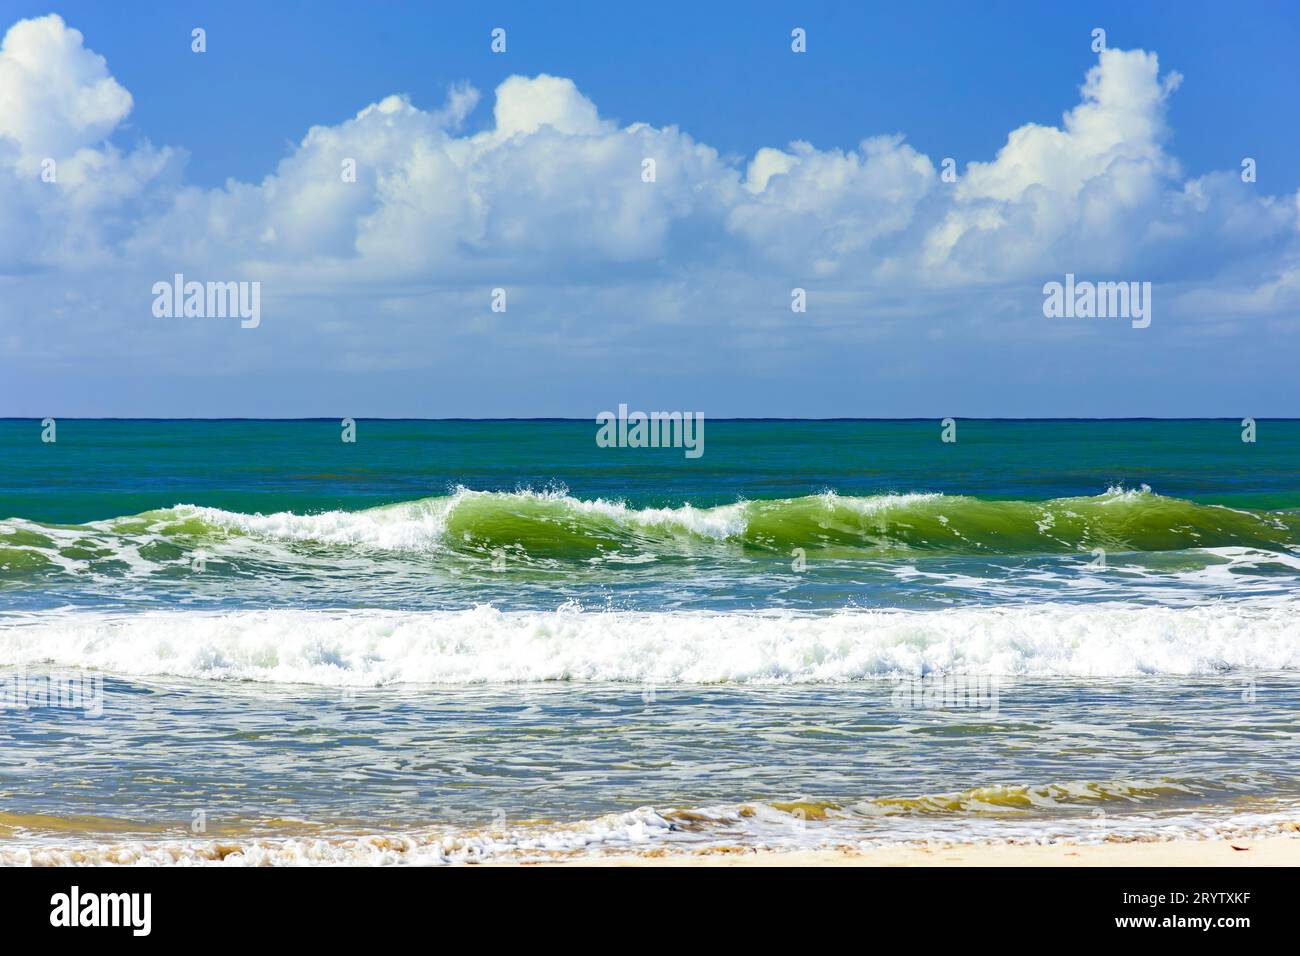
488,645
554,527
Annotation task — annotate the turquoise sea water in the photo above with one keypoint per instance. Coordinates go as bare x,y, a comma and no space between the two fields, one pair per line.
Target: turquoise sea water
474,638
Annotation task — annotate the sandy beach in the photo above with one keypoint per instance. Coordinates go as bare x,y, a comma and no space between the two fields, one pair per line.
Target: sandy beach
1264,851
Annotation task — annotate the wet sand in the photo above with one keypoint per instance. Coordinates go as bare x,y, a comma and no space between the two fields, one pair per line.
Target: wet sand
1265,851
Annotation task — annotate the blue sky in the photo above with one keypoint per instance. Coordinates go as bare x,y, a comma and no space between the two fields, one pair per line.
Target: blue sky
955,77
924,297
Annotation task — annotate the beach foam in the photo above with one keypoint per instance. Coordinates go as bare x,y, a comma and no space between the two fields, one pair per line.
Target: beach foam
645,831
487,645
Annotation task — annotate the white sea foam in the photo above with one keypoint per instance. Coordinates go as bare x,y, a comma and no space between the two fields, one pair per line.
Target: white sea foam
421,525
704,830
876,504
486,645
409,526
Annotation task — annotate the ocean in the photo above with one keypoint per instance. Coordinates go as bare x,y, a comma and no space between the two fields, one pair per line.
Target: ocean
456,641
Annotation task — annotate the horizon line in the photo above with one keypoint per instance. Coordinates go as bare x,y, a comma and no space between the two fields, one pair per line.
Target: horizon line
738,418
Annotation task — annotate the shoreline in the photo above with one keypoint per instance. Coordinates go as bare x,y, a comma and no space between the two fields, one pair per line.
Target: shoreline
1271,849
1257,851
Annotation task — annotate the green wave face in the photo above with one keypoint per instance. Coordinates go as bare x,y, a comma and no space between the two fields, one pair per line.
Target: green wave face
554,527
1118,522
550,526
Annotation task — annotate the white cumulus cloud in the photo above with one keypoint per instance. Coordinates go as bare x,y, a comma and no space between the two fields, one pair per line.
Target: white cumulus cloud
550,200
